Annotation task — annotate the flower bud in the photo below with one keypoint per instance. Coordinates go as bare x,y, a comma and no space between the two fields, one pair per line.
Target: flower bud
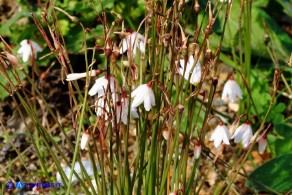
197,8
84,139
208,54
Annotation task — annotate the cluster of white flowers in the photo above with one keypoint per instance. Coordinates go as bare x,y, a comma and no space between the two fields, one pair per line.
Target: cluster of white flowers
107,85
242,134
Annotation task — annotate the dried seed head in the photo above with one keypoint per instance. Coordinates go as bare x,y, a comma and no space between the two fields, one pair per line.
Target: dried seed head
192,48
208,54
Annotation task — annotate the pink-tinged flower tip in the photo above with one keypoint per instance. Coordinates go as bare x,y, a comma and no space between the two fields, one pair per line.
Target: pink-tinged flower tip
84,139
220,134
263,142
197,150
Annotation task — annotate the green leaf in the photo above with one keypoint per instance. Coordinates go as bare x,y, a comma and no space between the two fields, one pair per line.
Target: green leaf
280,107
275,174
283,144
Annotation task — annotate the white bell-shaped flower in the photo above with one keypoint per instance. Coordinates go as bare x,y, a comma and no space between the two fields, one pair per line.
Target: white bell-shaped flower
27,48
143,93
100,86
131,42
232,90
243,134
220,134
185,70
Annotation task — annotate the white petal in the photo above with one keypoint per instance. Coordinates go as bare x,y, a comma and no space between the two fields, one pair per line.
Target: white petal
84,140
94,89
23,42
141,47
217,142
75,76
238,133
197,73
137,98
124,45
134,112
25,55
197,151
36,46
147,102
152,97
262,145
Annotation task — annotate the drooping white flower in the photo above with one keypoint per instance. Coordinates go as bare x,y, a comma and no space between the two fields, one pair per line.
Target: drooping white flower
197,150
196,74
75,76
27,48
84,140
143,93
220,134
262,144
232,90
122,110
101,86
131,42
101,106
262,140
243,134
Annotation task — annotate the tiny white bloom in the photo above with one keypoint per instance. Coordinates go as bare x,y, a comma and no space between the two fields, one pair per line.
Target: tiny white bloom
27,47
221,133
75,76
231,89
186,69
101,85
197,150
244,134
84,140
143,93
131,42
122,111
262,140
